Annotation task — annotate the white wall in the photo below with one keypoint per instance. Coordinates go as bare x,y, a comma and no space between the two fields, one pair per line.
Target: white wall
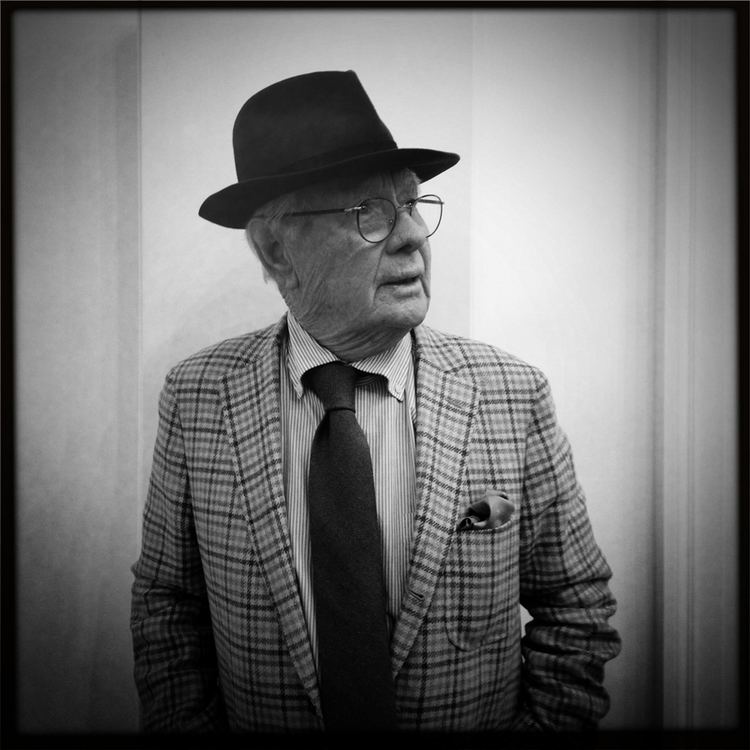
77,366
561,243
697,418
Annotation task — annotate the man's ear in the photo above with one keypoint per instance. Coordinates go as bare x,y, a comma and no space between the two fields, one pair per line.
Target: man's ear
272,252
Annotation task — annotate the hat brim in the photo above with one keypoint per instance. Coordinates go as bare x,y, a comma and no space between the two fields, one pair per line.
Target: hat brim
233,206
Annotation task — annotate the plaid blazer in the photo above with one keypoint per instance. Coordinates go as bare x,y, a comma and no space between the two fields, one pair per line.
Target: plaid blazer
220,640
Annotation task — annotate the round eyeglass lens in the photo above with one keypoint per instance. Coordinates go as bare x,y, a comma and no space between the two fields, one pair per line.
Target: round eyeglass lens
375,219
429,210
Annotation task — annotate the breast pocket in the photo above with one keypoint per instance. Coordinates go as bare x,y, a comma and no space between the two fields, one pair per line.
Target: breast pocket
480,585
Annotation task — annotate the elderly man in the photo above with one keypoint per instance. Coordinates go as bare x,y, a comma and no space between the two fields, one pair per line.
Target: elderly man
346,509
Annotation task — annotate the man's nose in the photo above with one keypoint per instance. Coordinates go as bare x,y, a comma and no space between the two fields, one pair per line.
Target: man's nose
409,234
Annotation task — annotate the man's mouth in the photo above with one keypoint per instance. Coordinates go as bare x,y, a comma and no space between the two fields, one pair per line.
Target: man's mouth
405,280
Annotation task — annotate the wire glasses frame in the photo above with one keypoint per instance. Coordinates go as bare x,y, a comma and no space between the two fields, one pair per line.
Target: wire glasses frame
376,217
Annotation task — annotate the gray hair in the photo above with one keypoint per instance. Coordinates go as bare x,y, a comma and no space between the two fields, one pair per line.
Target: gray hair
272,213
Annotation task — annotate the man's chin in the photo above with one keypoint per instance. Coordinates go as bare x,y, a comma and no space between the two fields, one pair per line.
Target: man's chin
408,316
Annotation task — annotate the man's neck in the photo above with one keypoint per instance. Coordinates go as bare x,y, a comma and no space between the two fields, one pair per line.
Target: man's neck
355,348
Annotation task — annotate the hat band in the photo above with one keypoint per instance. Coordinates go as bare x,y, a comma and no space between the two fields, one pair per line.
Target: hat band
328,158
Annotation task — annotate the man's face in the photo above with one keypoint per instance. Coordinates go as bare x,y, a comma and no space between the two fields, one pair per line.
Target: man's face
353,296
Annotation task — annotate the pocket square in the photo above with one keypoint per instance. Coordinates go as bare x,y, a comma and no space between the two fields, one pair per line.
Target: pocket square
493,510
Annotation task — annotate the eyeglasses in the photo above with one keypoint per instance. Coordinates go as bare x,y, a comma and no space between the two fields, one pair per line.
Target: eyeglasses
376,217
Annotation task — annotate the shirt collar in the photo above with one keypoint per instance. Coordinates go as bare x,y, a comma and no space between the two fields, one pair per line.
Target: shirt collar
304,353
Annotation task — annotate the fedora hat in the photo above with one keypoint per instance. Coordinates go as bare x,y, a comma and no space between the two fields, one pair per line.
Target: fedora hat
308,129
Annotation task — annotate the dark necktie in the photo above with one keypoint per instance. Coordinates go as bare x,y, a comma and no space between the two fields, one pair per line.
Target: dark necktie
357,690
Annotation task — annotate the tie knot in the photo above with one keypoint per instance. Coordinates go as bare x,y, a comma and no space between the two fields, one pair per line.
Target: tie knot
333,384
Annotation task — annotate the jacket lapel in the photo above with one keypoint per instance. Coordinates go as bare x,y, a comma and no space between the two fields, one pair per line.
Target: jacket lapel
446,404
250,399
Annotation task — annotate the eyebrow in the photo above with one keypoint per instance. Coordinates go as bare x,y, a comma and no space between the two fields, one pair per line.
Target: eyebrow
404,194
407,185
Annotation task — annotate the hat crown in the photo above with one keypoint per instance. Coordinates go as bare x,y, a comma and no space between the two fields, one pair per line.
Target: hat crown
305,122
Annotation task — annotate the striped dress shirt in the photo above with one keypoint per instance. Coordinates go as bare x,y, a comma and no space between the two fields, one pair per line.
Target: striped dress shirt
386,412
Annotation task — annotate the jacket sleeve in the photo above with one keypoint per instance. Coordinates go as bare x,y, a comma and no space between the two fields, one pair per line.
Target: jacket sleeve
563,587
175,662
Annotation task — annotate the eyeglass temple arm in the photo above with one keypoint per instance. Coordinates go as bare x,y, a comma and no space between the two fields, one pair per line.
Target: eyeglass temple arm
325,211
433,199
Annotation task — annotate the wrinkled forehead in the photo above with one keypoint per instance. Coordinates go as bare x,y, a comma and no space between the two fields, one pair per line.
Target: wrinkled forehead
348,190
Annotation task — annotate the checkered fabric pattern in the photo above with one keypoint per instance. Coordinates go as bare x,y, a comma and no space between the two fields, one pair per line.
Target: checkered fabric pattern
219,634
